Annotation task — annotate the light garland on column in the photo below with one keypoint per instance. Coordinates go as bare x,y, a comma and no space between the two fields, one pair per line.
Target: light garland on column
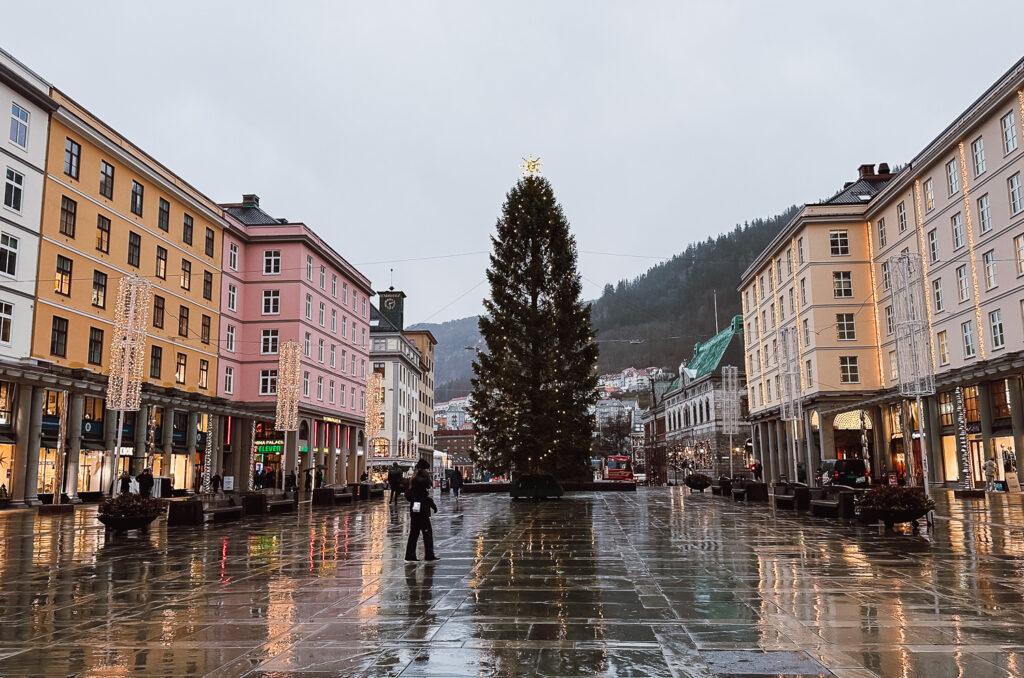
211,429
374,410
925,258
289,365
252,456
874,303
62,432
966,479
965,189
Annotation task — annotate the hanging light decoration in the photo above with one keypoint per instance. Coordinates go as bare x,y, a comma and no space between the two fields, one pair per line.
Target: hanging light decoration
211,430
289,364
252,456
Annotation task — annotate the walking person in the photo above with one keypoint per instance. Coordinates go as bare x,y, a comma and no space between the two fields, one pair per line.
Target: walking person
990,469
216,482
126,482
145,480
394,482
456,483
420,506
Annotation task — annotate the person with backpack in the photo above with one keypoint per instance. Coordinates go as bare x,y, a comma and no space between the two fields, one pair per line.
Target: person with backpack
420,506
394,482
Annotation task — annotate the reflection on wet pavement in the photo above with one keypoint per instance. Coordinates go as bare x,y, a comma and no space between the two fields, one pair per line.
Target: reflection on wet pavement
656,583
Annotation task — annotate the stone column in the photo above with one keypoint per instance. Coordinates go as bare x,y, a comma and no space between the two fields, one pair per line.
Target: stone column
241,445
110,421
191,438
75,413
1017,420
332,458
933,438
768,433
167,444
320,447
35,426
291,451
880,451
141,436
811,456
217,450
22,420
985,405
827,435
782,446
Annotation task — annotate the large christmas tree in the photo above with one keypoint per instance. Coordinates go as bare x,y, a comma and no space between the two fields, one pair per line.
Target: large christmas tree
535,382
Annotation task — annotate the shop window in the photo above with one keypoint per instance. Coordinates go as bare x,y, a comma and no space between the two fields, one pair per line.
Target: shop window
971,410
946,410
1000,395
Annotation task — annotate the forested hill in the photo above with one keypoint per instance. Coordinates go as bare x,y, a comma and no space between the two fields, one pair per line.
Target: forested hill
653,319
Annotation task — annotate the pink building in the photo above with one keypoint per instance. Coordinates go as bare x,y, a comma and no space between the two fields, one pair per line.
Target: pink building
282,282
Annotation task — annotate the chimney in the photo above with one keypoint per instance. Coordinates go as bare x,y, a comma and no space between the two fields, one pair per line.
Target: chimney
883,170
250,200
866,172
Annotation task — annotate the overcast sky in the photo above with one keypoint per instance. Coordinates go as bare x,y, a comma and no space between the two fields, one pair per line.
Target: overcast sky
395,128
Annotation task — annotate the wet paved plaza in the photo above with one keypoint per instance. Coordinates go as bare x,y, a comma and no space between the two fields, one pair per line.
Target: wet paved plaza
656,583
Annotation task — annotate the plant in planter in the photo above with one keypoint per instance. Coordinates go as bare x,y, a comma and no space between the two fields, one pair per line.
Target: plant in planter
129,511
894,505
697,482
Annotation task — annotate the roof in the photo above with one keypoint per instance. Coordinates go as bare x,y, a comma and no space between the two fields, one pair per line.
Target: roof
857,193
378,323
250,216
708,355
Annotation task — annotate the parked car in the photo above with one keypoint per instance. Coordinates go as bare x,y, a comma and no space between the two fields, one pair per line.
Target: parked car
851,472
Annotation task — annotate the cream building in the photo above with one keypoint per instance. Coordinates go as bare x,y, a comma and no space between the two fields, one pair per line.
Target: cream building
959,205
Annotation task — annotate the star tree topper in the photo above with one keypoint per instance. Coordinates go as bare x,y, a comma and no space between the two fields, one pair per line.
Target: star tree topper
531,166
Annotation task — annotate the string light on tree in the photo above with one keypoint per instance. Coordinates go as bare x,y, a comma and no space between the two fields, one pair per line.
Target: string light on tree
531,166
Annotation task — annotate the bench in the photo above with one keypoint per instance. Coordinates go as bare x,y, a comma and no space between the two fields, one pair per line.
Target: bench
323,496
376,492
222,510
749,490
795,496
833,501
280,503
342,495
723,488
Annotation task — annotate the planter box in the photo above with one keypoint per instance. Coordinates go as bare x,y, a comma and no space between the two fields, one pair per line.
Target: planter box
969,494
125,523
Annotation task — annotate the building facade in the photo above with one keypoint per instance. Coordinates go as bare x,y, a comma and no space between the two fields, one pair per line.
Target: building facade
959,207
282,282
425,343
453,414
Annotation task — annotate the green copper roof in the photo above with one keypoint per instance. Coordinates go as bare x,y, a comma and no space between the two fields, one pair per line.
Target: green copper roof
708,355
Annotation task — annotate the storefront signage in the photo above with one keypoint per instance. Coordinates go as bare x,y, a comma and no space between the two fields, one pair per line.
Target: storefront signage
332,420
269,446
229,483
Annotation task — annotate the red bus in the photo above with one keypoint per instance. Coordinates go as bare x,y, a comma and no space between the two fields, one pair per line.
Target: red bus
618,467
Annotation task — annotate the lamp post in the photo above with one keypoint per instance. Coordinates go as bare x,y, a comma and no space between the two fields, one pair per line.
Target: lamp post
127,354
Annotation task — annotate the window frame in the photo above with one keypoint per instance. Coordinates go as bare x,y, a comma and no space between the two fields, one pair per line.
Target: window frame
72,158
106,187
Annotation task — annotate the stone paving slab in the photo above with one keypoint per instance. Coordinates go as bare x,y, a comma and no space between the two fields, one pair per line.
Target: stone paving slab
656,583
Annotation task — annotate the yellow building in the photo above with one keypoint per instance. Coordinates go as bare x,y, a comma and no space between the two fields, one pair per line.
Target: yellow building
425,342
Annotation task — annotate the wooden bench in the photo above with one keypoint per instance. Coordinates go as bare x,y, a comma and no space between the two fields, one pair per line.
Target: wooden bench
795,496
834,501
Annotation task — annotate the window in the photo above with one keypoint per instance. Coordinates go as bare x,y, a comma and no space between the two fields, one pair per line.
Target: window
309,307
183,321
161,263
271,302
334,353
186,274
803,291
849,371
269,342
344,325
789,261
353,363
943,347
204,335
232,297
62,283
186,229
967,330
1008,123
807,332
894,368
809,373
180,368
229,380
156,359
929,195
952,177
307,345
330,391
233,256
842,284
845,329
1016,195
59,337
204,373
134,248
995,326
163,217
321,314
320,350
984,215
800,249
102,234
309,267
106,180
963,292
901,216
988,260
99,289
158,312
207,285
978,155
334,285
229,338
344,360
208,243
8,254
352,396
68,216
323,277
137,195
19,125
6,322
933,246
886,279
272,263
881,232
344,293
95,356
305,384
334,320
268,382
319,388
72,158
937,296
957,224
14,186
890,321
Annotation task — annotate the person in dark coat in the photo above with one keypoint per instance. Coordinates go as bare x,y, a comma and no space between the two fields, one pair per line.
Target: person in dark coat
289,482
394,482
216,482
307,480
758,470
420,506
126,483
145,480
456,483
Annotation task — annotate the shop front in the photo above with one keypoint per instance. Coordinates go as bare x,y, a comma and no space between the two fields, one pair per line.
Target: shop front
7,440
269,444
